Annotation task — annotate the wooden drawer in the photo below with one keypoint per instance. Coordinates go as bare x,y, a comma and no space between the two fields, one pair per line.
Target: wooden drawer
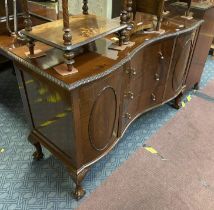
147,99
140,84
150,66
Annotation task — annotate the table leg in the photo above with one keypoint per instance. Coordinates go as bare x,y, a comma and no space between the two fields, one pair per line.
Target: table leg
85,7
79,192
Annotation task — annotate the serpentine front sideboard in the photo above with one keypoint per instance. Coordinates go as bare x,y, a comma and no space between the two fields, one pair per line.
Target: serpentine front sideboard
81,117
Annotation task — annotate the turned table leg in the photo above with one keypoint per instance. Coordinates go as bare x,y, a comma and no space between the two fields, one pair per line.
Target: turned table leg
85,7
129,19
27,20
123,33
67,37
31,46
69,55
79,192
28,26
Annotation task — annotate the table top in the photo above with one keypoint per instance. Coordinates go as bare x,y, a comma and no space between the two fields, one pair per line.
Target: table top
101,60
84,29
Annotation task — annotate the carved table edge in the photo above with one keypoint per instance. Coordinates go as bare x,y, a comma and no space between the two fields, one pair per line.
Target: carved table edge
100,75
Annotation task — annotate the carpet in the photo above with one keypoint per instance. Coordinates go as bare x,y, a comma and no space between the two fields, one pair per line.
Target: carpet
179,177
28,185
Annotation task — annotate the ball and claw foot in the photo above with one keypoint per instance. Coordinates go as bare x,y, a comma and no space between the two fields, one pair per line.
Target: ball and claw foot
196,86
177,104
79,192
38,155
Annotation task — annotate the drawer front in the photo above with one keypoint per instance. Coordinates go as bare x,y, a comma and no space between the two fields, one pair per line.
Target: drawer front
141,103
149,67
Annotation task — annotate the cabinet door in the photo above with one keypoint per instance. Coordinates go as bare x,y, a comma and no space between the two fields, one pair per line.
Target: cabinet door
179,66
99,112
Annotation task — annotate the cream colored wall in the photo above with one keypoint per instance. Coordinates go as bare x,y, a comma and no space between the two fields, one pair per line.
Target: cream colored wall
98,7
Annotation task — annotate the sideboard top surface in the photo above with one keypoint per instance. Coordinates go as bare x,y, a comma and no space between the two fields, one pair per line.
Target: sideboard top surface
100,61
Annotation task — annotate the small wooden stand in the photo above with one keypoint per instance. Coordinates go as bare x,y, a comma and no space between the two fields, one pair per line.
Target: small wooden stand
78,31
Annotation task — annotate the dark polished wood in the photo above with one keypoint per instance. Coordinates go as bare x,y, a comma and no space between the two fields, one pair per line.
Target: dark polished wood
81,117
85,7
26,16
78,31
201,10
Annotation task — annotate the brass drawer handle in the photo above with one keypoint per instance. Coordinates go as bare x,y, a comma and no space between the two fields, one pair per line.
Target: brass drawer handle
161,55
128,116
131,72
130,95
153,97
157,77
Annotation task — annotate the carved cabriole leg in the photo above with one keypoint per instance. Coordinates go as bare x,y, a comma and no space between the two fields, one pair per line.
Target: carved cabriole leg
79,192
85,7
38,154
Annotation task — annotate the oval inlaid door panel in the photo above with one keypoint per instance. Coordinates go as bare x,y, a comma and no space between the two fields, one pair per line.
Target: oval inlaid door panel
102,119
181,65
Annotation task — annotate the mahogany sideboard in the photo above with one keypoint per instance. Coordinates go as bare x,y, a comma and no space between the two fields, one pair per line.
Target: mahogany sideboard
81,117
201,10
